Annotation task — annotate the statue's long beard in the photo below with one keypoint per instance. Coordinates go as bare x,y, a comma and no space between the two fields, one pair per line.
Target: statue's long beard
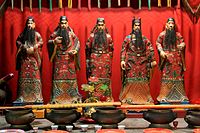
100,37
170,38
29,36
138,42
65,37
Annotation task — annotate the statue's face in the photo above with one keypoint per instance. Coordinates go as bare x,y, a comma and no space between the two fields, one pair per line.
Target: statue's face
100,25
64,24
31,25
136,26
170,25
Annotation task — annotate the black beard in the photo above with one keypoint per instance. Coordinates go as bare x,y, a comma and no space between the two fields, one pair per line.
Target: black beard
138,42
170,38
29,36
65,37
100,37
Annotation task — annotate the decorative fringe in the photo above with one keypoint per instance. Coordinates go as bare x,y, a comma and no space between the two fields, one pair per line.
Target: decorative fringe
149,4
22,8
169,3
89,4
12,4
119,2
40,5
50,5
140,4
159,3
70,4
60,4
99,4
179,3
109,3
79,4
128,3
31,4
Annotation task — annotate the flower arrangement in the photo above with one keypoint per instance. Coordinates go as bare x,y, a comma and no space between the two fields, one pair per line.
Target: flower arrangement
96,91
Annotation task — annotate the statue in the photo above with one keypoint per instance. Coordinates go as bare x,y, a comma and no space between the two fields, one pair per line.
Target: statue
63,47
28,64
137,63
99,53
171,49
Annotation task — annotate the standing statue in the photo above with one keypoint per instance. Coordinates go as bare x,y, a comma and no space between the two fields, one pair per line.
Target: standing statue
137,63
171,48
28,63
99,54
63,47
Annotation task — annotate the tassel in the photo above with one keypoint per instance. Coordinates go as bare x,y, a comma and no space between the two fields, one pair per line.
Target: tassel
89,4
69,3
60,4
128,3
22,8
109,3
168,3
119,2
12,4
40,5
79,4
140,4
149,4
99,4
30,4
179,3
159,3
50,5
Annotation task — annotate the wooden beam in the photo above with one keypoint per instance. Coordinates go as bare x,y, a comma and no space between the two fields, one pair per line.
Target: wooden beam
179,106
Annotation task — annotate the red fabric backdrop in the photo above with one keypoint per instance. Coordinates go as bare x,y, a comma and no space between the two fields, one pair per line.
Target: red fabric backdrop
118,21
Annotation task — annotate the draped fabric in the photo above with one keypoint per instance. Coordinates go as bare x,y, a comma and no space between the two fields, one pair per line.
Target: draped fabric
118,22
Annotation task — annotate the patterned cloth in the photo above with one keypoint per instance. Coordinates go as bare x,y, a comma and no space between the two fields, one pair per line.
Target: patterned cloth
65,88
28,65
137,72
172,68
99,61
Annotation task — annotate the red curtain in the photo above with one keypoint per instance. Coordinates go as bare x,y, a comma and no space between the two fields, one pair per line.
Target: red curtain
118,22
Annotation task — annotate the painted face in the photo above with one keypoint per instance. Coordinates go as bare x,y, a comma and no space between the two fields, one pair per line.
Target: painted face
136,26
170,25
101,25
31,25
63,24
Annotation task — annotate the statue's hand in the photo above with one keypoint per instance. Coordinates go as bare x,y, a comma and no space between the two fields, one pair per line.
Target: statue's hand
30,50
123,65
163,54
153,64
73,52
181,46
57,40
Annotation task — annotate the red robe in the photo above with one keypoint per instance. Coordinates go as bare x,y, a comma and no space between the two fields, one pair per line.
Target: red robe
172,68
29,65
65,87
137,74
99,64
